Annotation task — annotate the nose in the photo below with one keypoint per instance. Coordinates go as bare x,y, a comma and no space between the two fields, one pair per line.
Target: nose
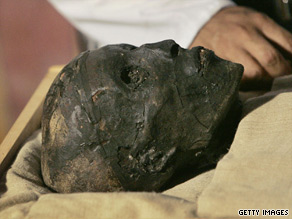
168,46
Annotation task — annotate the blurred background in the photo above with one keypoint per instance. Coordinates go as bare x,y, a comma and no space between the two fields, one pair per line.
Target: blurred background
33,37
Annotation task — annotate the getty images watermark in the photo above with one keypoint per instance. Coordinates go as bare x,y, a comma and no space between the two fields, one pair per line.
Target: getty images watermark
263,212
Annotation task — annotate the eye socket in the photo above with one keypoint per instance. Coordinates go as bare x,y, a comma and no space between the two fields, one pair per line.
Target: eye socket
125,76
133,77
174,50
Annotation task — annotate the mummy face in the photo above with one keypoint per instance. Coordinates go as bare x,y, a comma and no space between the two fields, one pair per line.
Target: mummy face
128,118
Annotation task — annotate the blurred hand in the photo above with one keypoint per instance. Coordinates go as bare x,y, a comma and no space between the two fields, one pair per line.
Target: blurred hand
242,35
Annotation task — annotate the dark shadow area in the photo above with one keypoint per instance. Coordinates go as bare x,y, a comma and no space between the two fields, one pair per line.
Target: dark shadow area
279,10
3,187
253,100
254,103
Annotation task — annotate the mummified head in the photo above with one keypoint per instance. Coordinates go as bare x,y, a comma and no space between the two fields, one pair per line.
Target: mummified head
127,118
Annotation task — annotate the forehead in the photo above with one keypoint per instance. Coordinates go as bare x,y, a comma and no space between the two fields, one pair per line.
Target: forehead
124,52
111,60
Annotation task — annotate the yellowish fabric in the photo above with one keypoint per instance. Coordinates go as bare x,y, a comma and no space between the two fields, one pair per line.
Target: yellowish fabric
257,171
24,194
191,189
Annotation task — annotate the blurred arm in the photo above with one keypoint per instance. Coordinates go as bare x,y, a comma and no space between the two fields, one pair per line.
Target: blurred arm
139,22
251,38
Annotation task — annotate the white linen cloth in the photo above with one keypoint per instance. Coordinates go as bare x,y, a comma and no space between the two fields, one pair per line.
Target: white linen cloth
139,21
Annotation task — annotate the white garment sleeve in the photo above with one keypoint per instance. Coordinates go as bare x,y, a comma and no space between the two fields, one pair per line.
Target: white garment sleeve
139,21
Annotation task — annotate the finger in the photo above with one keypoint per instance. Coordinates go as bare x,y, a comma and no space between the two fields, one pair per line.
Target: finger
267,55
252,69
254,77
275,32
